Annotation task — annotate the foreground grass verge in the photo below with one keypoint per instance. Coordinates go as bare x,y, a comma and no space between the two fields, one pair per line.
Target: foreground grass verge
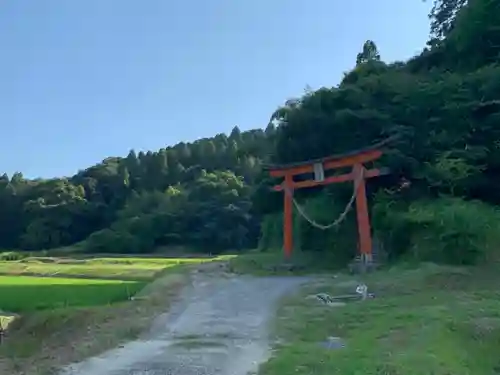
431,320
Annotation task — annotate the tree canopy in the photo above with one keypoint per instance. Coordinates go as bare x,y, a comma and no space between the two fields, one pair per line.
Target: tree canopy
186,194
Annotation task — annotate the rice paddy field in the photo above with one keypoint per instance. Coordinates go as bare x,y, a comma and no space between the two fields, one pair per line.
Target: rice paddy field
40,283
28,293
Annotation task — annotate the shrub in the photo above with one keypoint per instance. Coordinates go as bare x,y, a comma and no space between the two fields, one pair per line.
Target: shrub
339,242
12,256
110,241
443,230
271,233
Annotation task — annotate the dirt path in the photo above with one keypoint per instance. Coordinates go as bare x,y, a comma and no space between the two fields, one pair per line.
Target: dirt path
218,327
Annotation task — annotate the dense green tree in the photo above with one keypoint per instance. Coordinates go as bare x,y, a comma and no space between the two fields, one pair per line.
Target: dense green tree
236,134
442,17
368,53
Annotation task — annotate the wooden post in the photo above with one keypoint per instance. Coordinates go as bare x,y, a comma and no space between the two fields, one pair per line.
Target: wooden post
365,238
288,217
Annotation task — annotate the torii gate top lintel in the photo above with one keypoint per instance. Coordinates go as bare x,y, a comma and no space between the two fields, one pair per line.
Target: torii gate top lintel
327,163
363,155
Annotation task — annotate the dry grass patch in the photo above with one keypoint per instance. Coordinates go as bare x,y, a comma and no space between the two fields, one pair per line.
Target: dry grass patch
124,268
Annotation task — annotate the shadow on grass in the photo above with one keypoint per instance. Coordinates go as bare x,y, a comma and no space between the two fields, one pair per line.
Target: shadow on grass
274,263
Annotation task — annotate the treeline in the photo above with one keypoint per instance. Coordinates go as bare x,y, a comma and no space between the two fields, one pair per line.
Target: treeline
439,203
193,194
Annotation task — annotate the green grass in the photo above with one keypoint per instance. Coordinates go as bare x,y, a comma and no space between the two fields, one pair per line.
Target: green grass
38,283
432,320
26,293
274,263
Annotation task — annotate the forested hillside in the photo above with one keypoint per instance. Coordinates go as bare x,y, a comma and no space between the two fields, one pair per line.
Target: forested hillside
194,194
439,203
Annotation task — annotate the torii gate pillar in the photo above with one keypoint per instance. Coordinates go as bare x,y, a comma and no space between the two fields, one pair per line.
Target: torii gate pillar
362,216
288,217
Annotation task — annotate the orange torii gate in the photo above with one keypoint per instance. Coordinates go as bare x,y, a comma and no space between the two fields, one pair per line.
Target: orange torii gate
355,160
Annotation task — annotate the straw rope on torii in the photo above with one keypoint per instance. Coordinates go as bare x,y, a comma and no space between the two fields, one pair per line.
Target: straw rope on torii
340,218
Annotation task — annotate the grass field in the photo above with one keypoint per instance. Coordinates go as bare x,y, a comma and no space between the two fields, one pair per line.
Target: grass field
431,320
27,293
38,283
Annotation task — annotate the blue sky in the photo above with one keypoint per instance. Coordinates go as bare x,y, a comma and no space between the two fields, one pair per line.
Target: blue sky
81,80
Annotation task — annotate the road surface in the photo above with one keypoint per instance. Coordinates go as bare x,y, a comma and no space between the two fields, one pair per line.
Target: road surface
219,327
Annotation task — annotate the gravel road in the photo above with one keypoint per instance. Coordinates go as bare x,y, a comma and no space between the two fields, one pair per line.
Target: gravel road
218,327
